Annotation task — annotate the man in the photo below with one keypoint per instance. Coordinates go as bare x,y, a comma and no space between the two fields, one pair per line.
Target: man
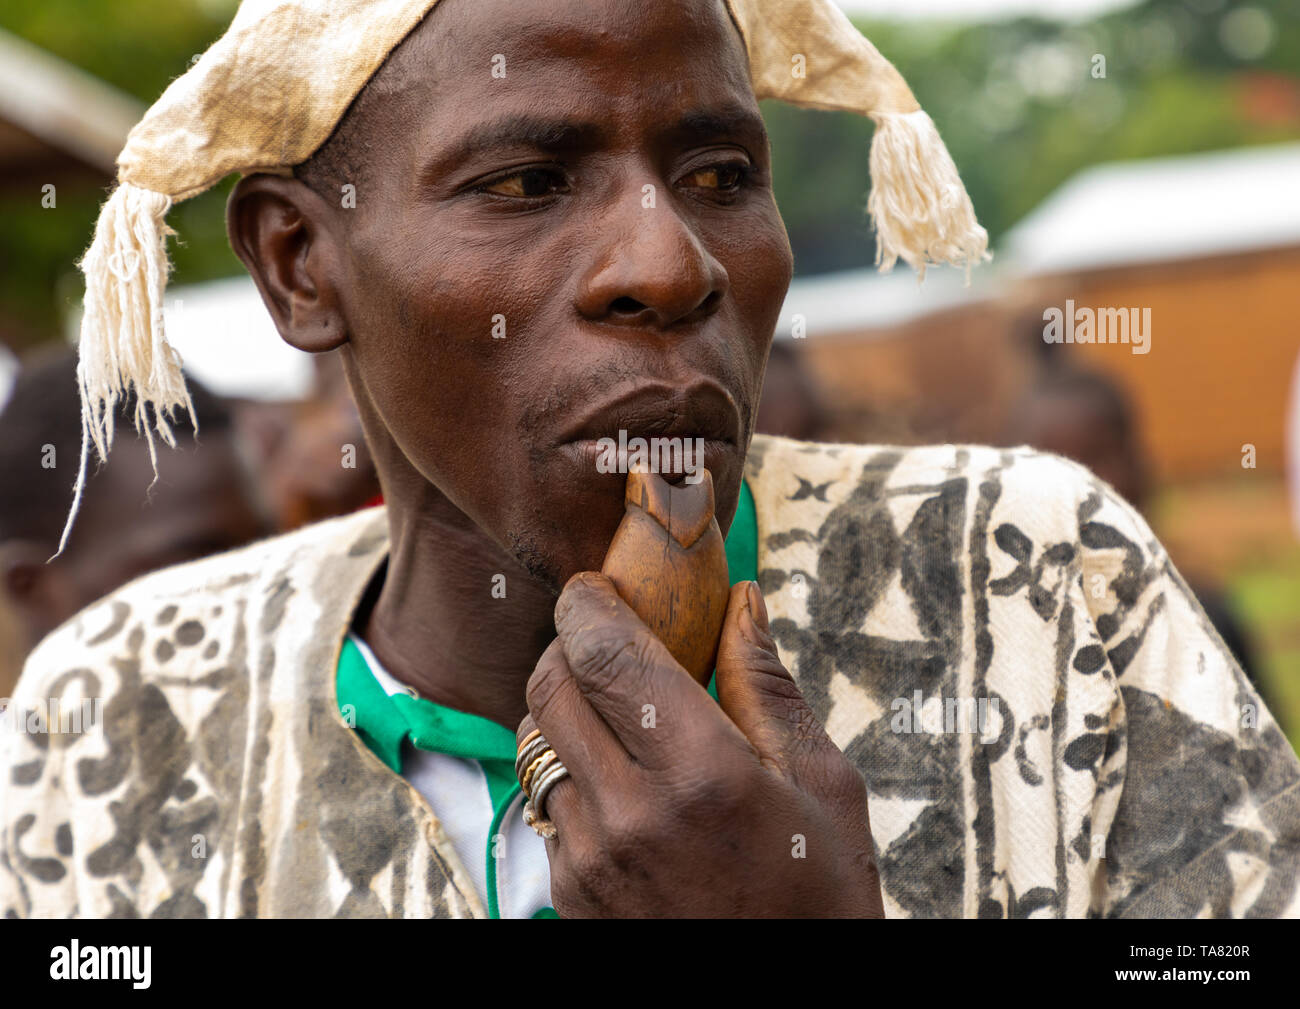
203,503
343,743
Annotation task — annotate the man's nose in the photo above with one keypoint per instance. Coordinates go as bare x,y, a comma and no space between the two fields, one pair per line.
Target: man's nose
650,268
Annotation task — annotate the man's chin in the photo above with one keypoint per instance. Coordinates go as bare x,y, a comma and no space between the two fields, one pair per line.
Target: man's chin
540,565
578,542
590,504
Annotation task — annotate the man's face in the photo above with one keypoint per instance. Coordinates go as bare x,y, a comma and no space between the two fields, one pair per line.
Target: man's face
611,256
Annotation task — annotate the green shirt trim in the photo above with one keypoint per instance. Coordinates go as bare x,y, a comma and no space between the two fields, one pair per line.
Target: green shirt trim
742,550
384,721
498,814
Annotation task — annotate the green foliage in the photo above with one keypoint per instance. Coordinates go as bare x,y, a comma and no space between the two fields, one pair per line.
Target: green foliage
825,230
1267,596
139,46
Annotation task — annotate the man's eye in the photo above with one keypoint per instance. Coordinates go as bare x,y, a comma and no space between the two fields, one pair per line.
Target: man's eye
726,178
530,183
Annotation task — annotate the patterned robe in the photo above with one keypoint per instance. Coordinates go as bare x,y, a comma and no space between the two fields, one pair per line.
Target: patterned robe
1125,766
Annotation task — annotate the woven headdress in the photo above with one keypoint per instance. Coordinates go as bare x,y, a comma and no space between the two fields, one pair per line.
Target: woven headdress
243,107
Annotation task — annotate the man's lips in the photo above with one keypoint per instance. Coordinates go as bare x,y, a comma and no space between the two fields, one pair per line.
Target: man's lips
589,454
702,410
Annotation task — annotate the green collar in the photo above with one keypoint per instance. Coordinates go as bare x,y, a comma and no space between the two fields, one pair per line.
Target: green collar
742,550
384,722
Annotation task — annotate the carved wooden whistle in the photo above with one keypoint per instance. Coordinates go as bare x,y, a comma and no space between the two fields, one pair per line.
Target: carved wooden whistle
668,562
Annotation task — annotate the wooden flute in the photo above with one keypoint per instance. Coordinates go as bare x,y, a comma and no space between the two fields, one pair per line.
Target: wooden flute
668,562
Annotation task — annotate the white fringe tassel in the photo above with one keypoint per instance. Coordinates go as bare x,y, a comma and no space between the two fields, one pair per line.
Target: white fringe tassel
123,345
919,206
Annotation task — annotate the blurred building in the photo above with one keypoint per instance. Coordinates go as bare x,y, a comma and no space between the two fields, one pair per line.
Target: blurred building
57,122
907,362
1210,244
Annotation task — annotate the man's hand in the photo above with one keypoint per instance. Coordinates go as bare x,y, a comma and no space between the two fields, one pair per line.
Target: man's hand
677,806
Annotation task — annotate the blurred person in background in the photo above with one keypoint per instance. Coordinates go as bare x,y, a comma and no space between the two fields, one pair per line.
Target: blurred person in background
791,405
321,467
1088,417
203,503
794,405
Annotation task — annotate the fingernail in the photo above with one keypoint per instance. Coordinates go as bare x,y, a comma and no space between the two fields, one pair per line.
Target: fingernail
758,608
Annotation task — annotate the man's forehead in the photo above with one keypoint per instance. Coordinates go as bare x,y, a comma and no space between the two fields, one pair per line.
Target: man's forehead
471,42
561,76
582,23
554,75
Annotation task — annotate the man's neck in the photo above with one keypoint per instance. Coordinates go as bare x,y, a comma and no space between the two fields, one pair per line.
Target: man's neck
456,618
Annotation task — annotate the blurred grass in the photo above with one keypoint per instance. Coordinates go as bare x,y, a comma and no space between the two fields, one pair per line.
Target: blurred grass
1268,599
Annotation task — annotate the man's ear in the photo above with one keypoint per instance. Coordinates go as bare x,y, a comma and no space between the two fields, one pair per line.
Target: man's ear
280,229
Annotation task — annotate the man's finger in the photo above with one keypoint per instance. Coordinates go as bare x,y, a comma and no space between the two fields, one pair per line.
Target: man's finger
628,675
579,736
756,690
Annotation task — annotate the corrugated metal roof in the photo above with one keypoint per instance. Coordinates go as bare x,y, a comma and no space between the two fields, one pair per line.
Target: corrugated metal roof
1163,209
853,300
